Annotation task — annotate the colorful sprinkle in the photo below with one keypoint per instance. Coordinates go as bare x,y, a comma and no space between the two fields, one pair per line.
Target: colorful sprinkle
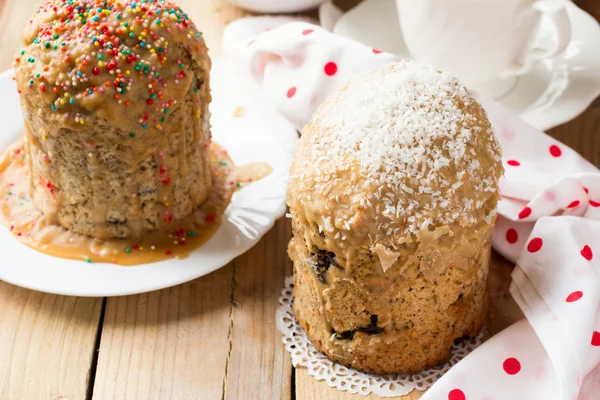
122,37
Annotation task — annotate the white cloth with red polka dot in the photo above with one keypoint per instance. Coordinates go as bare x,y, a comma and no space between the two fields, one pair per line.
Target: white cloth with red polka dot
548,223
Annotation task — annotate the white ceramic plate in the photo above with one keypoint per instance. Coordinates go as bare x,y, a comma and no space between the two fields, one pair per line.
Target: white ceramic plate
553,92
260,135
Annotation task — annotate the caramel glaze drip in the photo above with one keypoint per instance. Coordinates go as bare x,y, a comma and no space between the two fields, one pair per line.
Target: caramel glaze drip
31,227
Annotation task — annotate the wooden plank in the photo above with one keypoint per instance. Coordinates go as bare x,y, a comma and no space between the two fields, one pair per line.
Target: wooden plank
47,344
504,311
259,366
174,343
168,344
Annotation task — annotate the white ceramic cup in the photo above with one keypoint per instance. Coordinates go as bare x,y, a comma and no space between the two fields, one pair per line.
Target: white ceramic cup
481,40
277,6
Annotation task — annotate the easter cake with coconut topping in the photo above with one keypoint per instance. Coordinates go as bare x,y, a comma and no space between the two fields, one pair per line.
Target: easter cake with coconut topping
393,194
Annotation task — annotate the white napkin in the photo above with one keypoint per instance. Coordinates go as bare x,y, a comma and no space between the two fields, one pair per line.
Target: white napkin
549,221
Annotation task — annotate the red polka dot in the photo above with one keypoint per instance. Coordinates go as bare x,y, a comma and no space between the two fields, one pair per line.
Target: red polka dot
574,296
555,151
585,190
513,163
291,92
250,42
456,394
526,212
330,68
586,252
596,338
307,32
376,51
594,203
535,245
511,366
573,204
512,236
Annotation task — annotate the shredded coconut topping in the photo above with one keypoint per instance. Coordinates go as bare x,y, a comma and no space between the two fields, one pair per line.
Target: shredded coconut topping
407,141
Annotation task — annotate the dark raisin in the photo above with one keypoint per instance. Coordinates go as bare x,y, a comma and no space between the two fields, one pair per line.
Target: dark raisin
347,335
115,221
461,339
372,328
320,263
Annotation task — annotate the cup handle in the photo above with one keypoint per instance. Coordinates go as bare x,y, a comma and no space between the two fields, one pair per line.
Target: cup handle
555,11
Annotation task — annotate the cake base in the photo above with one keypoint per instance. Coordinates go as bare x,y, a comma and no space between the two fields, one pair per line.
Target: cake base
408,328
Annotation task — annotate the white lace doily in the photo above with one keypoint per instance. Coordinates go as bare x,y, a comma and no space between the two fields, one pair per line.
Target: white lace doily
304,354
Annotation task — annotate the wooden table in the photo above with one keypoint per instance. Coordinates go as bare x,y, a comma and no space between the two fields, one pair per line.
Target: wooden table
211,338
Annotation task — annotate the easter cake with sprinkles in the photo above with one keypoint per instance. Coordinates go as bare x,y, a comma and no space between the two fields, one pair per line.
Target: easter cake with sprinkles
393,193
115,100
117,147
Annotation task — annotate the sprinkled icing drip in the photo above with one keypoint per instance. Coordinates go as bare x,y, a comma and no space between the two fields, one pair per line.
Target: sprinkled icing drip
26,223
79,49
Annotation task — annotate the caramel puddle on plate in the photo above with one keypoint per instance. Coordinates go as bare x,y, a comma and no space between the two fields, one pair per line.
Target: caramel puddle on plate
33,229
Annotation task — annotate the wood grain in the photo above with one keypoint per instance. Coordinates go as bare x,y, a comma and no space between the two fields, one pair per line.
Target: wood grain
259,366
504,311
168,344
47,344
179,343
